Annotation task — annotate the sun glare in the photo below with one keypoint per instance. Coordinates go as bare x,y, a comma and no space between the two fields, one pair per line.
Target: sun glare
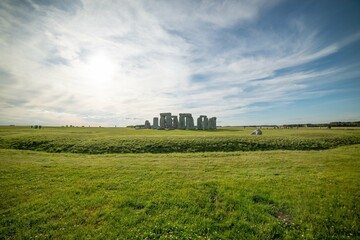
100,69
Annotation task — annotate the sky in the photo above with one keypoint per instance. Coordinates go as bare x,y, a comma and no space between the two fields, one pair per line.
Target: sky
119,62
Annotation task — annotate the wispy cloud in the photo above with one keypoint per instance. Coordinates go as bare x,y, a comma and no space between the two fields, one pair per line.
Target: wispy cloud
118,63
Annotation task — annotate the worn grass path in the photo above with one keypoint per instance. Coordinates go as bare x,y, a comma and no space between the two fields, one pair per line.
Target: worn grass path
236,195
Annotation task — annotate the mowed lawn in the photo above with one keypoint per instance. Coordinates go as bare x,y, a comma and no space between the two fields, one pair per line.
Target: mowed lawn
233,195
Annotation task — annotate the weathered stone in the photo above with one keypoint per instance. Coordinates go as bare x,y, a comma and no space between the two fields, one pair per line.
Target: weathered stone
168,121
182,121
185,121
205,123
147,124
165,120
155,123
212,123
175,122
190,123
162,122
257,132
199,123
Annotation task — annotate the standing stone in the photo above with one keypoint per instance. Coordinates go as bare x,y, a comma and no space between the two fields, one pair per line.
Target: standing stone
165,120
182,123
205,123
168,121
199,123
185,121
147,124
162,122
155,123
175,122
212,123
190,122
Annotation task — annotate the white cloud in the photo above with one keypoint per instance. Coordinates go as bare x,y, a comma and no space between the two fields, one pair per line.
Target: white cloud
95,62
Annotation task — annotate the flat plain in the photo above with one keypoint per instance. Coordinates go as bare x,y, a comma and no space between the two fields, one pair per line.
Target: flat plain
109,183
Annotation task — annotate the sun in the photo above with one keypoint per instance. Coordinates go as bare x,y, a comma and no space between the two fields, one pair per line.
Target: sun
100,69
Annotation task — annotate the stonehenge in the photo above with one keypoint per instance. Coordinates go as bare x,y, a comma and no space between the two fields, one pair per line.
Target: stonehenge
147,124
175,122
155,123
212,123
184,122
165,121
203,123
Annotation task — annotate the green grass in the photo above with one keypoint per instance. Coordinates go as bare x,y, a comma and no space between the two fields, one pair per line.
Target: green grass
231,195
222,184
122,140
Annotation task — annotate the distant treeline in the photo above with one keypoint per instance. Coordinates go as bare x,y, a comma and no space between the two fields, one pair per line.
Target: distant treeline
332,124
345,124
303,125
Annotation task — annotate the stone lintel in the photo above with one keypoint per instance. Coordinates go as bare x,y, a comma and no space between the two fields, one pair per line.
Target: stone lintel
185,114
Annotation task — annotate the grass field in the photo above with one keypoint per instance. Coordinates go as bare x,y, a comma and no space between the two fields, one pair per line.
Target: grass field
278,194
122,140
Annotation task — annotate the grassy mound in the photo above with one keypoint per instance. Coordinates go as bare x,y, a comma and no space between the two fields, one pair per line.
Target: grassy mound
149,141
169,145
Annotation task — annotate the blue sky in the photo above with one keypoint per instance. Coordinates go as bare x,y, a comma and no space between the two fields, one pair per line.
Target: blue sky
122,62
